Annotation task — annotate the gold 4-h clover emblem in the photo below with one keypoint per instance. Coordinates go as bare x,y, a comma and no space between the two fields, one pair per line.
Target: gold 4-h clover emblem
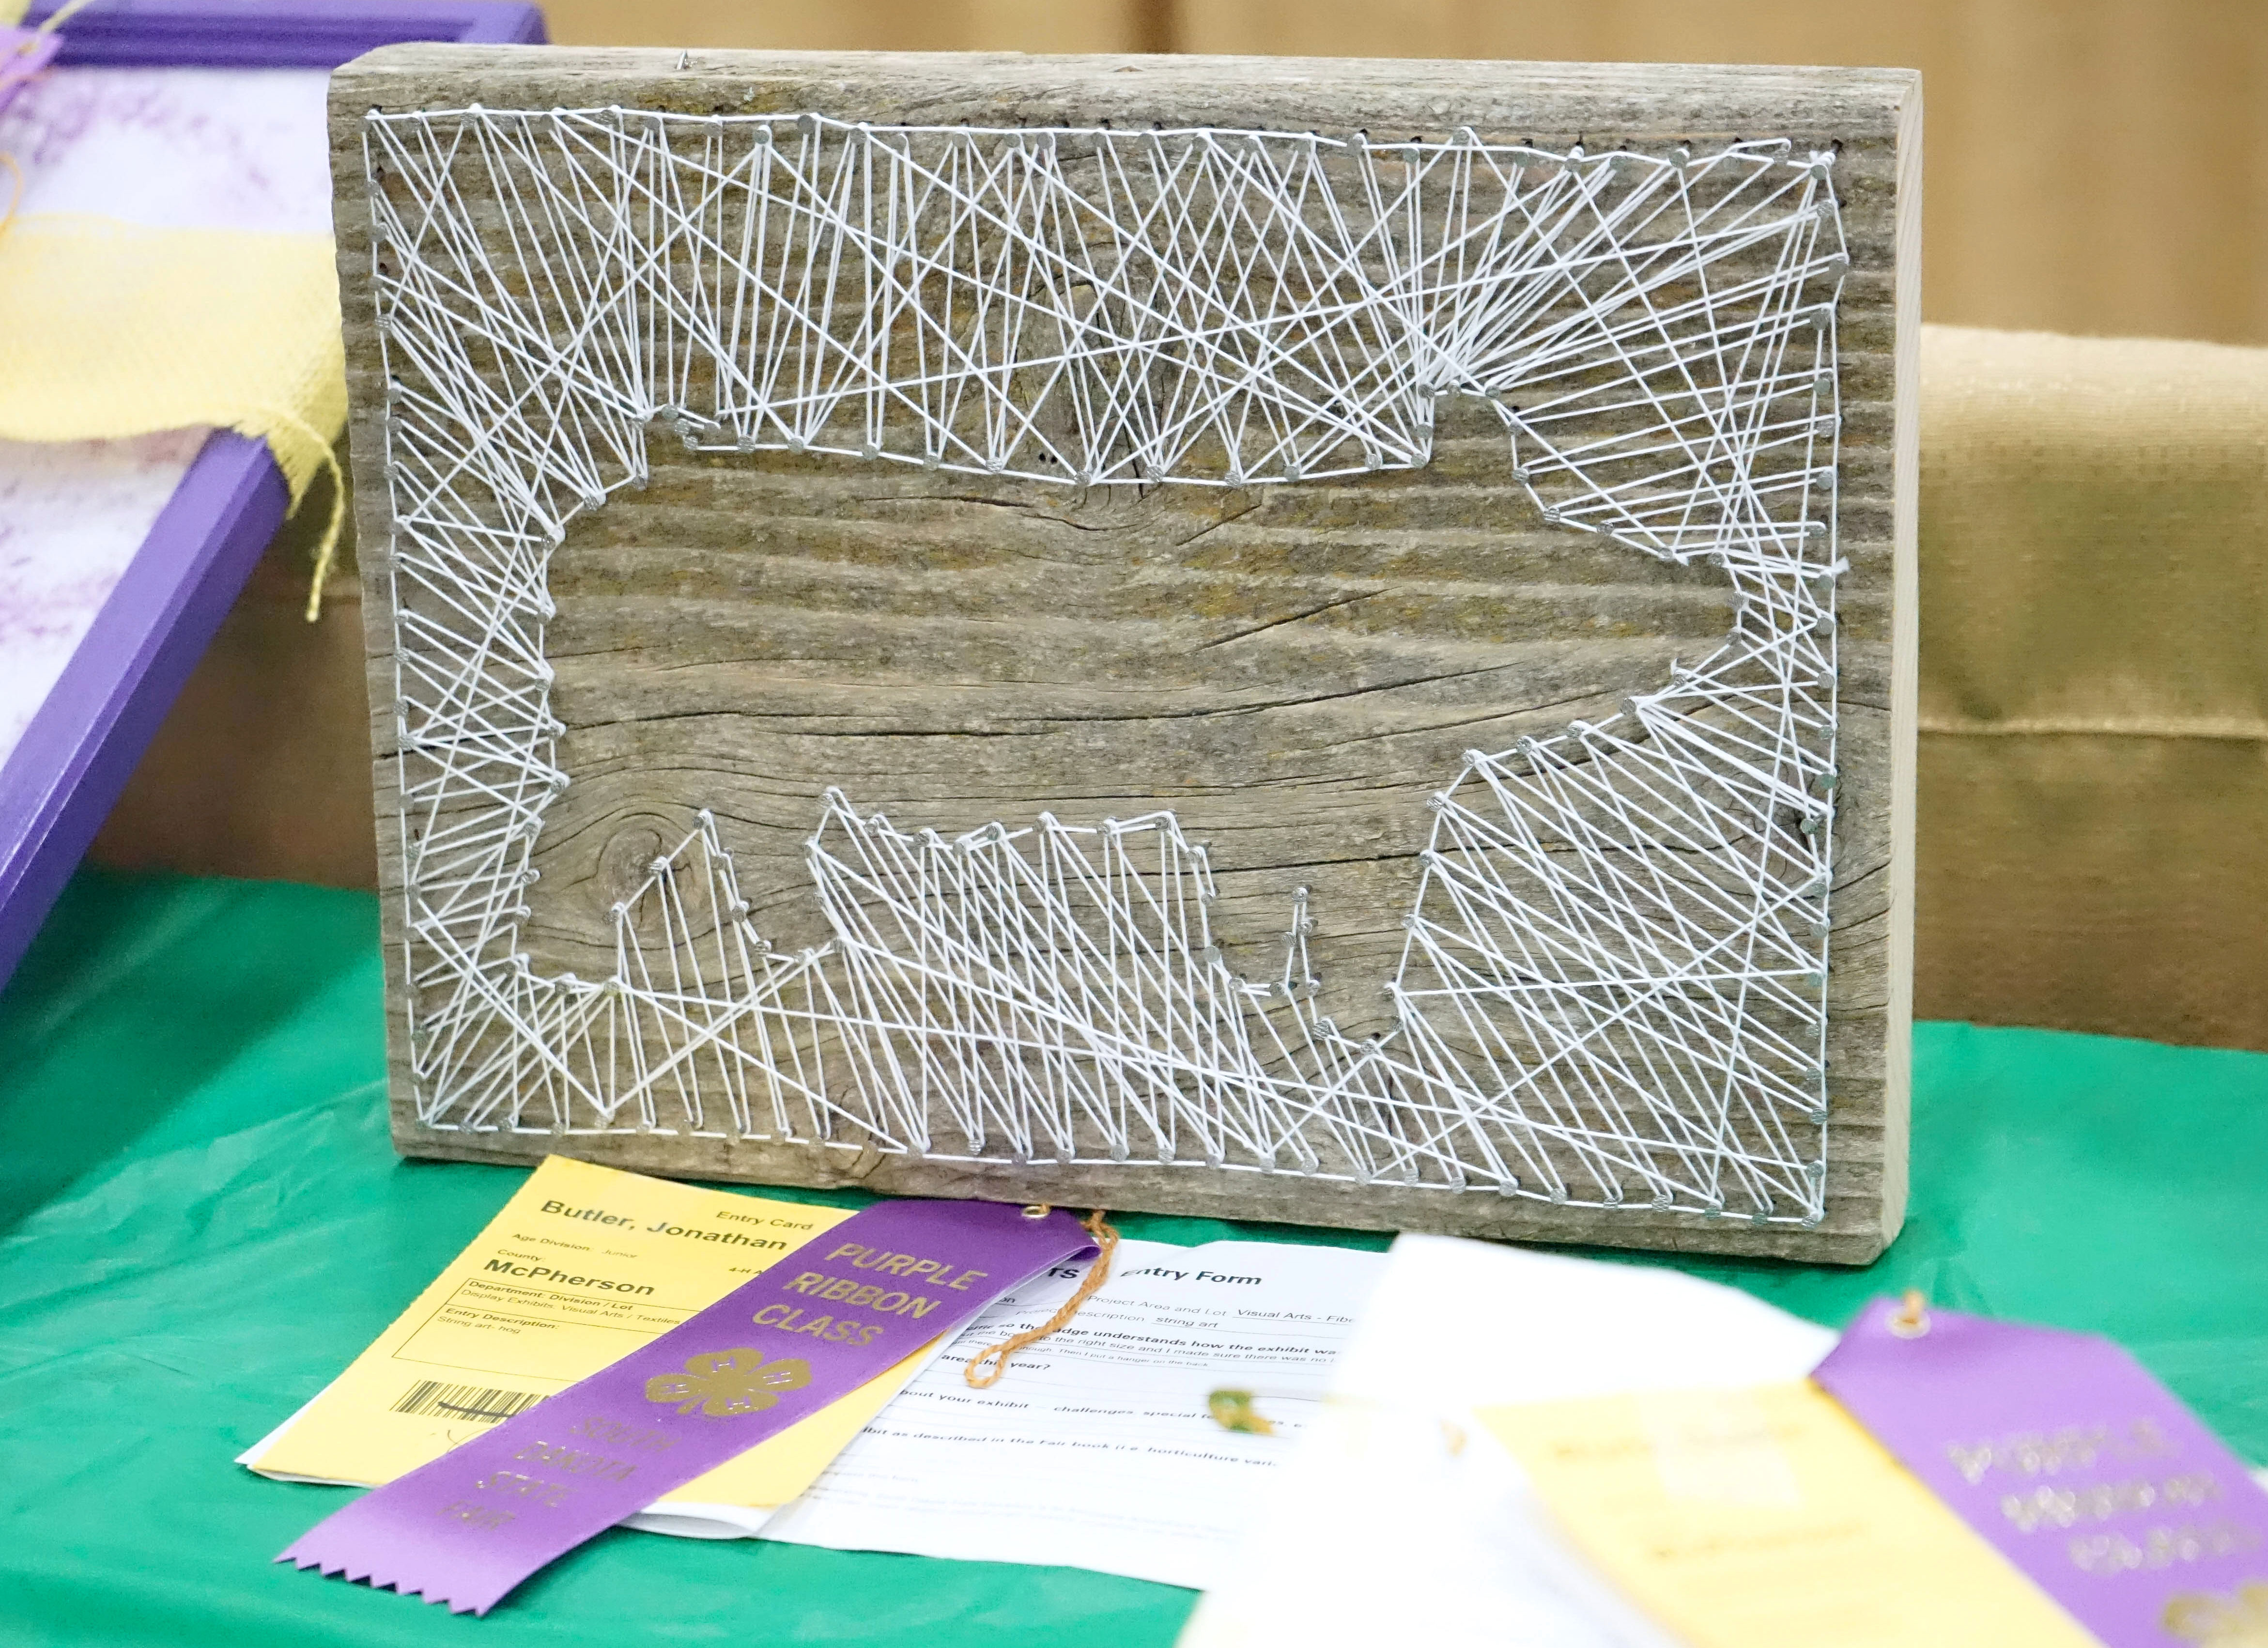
722,1383
2238,1619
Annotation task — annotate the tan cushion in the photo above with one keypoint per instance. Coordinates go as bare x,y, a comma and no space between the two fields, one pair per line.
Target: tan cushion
2094,776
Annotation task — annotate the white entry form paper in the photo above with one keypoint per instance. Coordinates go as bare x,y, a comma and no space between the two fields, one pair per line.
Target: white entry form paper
1096,1451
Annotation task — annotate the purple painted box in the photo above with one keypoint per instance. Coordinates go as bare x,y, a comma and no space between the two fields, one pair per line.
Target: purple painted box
76,754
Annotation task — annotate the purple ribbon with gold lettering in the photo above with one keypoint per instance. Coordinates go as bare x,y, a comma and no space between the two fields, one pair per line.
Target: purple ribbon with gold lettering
820,1322
2067,1456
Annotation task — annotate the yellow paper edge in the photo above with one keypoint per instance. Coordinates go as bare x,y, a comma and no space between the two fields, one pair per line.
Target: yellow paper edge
1769,1518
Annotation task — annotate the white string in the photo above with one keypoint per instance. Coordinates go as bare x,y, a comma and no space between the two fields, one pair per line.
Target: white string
1612,990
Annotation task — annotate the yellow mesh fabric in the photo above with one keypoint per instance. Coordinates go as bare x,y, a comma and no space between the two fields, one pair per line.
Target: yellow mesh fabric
114,329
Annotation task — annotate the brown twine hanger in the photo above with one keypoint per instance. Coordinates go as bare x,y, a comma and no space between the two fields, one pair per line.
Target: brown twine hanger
1097,1274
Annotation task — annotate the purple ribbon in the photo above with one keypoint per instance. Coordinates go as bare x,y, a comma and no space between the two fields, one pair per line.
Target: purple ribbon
2076,1465
820,1322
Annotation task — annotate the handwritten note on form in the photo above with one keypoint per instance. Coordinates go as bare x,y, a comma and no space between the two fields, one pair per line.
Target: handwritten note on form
1097,1451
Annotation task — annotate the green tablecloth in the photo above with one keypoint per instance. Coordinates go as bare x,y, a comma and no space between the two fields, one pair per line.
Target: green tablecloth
201,1221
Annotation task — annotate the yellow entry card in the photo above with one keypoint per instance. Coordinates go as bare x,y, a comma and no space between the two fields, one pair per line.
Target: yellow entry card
1767,1518
581,1267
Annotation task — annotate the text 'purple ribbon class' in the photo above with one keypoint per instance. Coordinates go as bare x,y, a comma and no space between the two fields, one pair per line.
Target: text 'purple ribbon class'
2071,1461
820,1322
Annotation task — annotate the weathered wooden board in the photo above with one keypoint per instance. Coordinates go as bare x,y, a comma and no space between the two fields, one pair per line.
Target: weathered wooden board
1290,667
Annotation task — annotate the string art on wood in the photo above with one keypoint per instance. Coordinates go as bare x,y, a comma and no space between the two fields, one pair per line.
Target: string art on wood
1312,641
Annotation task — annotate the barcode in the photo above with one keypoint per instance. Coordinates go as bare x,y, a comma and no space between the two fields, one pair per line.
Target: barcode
464,1401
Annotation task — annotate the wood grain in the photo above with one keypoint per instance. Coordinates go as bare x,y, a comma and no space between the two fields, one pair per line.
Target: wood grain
1290,668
